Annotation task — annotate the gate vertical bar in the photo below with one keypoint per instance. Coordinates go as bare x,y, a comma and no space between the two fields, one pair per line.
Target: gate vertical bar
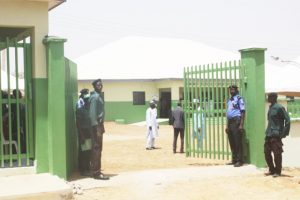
222,114
17,102
196,107
9,104
1,113
201,108
186,121
227,69
218,109
213,109
205,86
192,107
209,110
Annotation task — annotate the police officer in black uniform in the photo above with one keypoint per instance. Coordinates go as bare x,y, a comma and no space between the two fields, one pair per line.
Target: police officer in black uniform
235,125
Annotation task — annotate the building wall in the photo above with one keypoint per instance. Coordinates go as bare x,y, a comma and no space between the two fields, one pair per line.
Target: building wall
119,98
34,16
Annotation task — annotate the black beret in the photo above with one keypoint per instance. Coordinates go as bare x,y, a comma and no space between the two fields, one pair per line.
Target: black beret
233,86
96,81
273,94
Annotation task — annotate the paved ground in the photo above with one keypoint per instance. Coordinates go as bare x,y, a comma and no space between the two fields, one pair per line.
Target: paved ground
160,174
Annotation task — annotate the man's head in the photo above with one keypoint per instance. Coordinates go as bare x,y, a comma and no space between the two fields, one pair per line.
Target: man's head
15,91
272,97
152,104
97,84
179,103
84,92
233,89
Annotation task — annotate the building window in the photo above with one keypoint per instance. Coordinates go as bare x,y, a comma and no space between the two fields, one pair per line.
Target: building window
138,98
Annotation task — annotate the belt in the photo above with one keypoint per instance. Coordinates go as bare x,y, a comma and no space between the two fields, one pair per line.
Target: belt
234,119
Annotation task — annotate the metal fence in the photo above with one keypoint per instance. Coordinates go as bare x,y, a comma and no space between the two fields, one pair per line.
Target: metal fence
205,97
293,108
16,140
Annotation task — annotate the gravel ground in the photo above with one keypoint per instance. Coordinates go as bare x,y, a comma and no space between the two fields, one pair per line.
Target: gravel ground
159,174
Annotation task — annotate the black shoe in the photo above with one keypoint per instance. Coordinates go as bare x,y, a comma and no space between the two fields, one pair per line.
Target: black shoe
238,164
153,147
101,177
269,173
148,148
276,175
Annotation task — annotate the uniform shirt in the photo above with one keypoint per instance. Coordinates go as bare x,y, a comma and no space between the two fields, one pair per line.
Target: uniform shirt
83,117
278,121
178,116
234,106
80,103
96,108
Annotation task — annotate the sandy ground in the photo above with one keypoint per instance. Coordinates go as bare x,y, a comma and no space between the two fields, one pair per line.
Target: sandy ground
159,174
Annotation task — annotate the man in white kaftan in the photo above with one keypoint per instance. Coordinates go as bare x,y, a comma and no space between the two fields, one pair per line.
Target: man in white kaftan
152,125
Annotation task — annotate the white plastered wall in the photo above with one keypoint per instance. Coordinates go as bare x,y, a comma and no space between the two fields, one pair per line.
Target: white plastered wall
32,15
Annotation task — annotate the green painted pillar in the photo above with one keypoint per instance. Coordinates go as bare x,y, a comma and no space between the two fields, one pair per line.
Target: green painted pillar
253,64
56,72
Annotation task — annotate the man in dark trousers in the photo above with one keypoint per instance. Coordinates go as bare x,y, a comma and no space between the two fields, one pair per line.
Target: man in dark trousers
235,125
97,123
84,132
178,125
278,128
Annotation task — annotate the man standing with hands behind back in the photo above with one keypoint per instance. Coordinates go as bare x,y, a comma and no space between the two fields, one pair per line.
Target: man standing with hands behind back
235,125
97,123
278,128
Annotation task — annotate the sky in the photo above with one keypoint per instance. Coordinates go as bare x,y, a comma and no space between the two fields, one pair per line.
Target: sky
226,24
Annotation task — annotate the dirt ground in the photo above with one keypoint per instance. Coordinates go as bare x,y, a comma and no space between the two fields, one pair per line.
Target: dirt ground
136,173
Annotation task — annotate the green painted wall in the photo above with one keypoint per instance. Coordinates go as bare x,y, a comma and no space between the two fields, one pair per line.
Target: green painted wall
253,60
71,97
40,118
125,110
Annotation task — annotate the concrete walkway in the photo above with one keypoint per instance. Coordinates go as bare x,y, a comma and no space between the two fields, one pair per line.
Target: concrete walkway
34,187
151,178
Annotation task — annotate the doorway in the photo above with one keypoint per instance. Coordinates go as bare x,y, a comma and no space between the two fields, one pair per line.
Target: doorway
165,102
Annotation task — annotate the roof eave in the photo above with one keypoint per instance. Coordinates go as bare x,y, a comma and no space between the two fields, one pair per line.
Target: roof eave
54,4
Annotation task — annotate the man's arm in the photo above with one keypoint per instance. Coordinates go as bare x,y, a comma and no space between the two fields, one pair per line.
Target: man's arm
287,123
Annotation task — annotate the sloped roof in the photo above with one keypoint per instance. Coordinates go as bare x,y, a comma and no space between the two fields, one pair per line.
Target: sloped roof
147,58
283,79
159,58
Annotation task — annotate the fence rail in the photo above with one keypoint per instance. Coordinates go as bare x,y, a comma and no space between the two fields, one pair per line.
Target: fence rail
205,96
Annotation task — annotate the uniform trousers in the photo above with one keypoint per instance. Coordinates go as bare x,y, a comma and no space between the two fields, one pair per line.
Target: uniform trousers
273,144
235,140
96,153
176,133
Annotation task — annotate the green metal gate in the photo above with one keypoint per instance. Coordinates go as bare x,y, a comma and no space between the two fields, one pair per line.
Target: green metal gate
205,96
16,130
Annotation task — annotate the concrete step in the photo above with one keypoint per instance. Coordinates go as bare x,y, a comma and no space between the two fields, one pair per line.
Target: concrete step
34,187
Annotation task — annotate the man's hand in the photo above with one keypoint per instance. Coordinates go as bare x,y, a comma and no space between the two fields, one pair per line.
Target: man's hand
241,129
226,130
157,127
81,139
199,129
150,128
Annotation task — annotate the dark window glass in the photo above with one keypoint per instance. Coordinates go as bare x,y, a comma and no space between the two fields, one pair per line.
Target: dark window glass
138,98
